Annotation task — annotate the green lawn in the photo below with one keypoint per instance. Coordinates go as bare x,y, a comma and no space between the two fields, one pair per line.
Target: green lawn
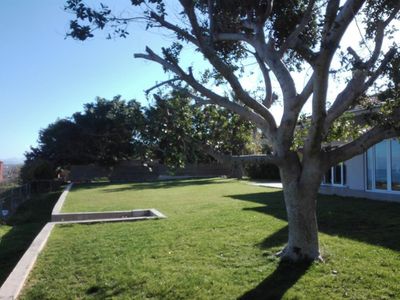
20,230
218,243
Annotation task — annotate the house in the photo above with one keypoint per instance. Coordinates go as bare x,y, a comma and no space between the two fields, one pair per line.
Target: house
374,174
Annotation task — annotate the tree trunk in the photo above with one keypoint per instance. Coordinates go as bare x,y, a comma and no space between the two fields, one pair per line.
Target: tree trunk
300,201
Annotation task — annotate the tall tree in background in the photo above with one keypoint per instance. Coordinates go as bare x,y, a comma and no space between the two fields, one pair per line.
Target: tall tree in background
171,130
177,131
105,132
282,37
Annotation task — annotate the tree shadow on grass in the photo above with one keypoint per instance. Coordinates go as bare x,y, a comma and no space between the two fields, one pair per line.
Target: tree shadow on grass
160,184
275,285
369,221
372,222
26,224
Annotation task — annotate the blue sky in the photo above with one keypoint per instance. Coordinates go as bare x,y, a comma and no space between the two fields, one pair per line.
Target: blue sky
44,76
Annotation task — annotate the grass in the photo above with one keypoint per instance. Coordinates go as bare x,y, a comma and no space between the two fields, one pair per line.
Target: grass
20,230
218,243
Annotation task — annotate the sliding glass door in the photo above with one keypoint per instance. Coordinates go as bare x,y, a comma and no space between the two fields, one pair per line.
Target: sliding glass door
395,157
383,166
381,161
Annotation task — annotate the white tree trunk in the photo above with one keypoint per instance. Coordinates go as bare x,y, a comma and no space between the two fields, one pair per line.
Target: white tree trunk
302,220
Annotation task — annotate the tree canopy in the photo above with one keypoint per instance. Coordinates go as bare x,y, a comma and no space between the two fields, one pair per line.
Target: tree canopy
281,38
171,130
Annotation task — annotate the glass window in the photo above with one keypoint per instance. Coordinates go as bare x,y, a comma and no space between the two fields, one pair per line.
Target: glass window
337,174
370,166
344,173
395,160
381,166
328,177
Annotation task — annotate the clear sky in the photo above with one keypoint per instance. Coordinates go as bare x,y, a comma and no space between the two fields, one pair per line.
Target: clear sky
44,76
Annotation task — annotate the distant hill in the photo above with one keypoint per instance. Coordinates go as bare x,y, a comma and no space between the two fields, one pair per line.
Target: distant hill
12,161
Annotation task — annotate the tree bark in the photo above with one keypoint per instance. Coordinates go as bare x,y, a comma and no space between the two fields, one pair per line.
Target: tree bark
301,203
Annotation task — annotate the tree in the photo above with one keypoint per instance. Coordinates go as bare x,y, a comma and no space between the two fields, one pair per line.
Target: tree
104,133
281,37
176,129
111,130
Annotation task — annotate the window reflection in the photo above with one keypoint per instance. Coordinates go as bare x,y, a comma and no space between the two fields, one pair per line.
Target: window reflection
370,164
381,166
395,157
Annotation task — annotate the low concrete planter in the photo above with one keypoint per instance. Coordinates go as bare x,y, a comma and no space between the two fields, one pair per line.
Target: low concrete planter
139,214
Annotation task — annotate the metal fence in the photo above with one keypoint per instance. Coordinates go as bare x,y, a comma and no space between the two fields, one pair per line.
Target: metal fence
12,197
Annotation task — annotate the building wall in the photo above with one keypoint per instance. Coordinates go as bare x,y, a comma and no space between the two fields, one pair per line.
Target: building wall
1,171
355,183
355,173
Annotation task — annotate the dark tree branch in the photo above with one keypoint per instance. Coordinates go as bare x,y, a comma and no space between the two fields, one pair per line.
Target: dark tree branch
293,38
330,15
178,30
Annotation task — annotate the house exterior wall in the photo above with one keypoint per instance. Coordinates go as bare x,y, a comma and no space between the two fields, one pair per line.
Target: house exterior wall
356,183
355,173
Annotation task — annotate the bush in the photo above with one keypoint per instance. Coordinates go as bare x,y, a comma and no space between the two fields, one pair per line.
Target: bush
263,171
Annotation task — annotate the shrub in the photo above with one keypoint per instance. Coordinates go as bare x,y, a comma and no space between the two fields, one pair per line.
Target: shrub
263,171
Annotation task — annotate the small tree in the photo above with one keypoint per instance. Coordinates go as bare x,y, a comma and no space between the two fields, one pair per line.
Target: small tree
281,37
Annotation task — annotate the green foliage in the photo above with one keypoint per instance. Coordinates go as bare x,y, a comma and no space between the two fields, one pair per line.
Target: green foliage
169,130
109,131
104,133
344,129
37,169
263,171
176,128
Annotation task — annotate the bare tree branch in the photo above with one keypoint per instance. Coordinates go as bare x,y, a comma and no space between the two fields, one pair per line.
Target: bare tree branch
241,159
356,87
167,82
215,98
178,30
361,144
335,33
224,69
269,97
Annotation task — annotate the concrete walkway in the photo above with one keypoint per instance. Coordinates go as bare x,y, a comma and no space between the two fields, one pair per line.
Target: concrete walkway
271,184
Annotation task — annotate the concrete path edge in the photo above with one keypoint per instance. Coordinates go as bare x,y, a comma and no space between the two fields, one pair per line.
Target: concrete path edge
14,283
61,200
